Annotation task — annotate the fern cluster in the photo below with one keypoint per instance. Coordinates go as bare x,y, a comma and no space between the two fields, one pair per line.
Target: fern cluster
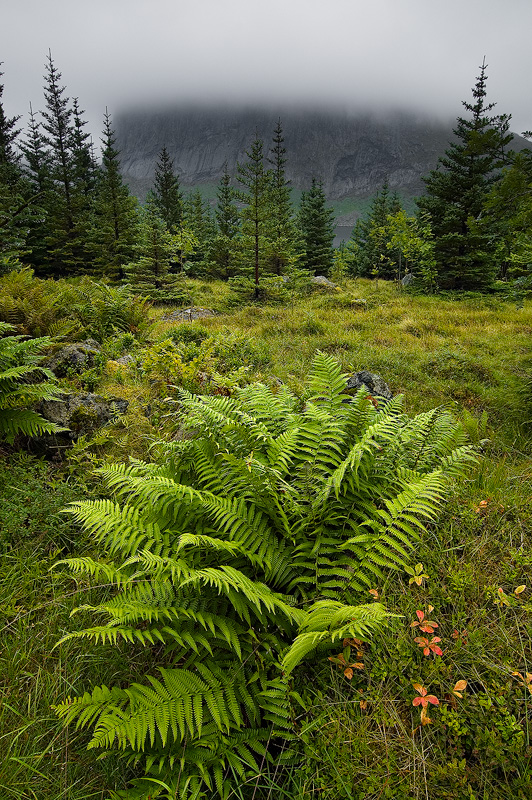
249,548
23,383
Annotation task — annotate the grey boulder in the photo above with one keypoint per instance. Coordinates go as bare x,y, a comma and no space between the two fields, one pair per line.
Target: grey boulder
375,385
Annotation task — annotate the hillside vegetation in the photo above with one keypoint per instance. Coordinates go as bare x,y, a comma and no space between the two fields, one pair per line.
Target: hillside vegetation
432,701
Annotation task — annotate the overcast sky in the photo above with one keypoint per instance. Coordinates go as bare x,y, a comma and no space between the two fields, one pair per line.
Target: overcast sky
420,54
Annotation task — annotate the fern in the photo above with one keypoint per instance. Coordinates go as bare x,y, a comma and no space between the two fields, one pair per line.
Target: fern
250,548
23,383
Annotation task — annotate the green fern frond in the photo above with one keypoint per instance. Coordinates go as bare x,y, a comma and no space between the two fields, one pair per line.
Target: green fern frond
327,622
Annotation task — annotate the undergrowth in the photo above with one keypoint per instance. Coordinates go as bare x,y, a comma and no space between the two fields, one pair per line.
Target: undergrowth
360,734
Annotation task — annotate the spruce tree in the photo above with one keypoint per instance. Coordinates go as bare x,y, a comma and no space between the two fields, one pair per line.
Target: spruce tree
255,194
457,190
198,220
36,157
9,158
282,245
507,217
317,230
156,252
167,194
17,201
37,171
371,236
66,204
115,219
85,168
223,247
59,139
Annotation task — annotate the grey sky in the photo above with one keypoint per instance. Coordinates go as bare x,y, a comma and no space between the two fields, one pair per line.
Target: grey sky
420,54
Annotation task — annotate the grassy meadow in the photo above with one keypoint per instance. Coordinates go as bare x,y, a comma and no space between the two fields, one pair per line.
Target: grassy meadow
360,738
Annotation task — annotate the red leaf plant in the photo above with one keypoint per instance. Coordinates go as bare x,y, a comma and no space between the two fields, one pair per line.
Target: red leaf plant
429,647
425,625
423,700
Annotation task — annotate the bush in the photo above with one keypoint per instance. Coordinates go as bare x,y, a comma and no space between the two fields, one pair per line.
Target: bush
22,384
249,549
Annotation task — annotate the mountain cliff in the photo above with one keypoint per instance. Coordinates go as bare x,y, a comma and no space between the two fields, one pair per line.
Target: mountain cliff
352,153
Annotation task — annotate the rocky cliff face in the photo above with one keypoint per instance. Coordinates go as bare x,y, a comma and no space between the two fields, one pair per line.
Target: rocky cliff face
352,154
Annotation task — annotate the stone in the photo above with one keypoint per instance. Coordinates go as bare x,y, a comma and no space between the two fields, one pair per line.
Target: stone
375,385
82,413
407,279
125,360
188,314
323,282
73,358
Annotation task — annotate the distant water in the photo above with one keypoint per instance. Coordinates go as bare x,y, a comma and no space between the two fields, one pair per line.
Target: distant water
342,233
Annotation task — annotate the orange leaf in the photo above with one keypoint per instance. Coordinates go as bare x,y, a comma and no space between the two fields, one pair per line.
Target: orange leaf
420,689
417,701
459,686
374,593
432,699
348,673
420,615
363,704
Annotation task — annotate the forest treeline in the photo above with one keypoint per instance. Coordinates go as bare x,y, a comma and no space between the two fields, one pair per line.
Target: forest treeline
64,211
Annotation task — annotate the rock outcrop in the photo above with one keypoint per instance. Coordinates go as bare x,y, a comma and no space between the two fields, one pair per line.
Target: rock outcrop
352,154
375,385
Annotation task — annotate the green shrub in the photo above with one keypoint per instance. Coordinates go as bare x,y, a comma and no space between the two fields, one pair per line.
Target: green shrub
23,383
250,548
102,310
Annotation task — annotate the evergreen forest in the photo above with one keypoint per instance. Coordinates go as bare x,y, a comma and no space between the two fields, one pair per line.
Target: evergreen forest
266,516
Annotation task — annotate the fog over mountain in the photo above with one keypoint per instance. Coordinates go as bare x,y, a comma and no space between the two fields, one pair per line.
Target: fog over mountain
352,153
414,55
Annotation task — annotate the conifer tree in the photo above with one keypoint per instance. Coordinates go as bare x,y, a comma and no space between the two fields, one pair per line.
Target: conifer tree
16,199
223,248
59,139
198,219
282,244
255,194
371,237
66,203
507,217
36,156
37,172
156,252
9,168
115,219
167,194
85,168
457,190
317,230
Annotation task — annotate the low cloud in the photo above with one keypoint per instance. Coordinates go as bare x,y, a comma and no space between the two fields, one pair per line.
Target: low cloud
378,54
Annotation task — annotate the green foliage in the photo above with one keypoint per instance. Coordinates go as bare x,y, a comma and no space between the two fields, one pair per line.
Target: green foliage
59,308
102,310
157,252
114,225
457,190
212,552
315,222
411,239
254,193
23,383
224,245
368,251
191,357
167,195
